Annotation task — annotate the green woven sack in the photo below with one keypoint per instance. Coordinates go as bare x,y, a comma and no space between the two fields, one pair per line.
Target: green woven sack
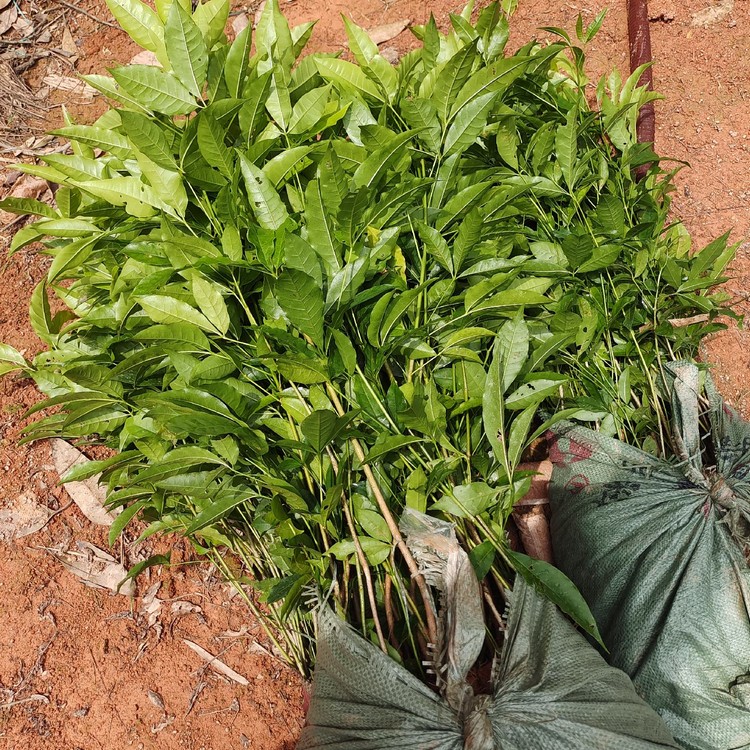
659,552
552,690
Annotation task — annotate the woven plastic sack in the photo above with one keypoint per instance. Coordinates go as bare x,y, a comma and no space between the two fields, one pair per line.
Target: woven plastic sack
659,551
552,690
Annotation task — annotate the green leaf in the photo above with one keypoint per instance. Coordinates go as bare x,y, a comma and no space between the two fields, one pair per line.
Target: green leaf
211,143
319,227
163,6
566,147
510,298
494,78
24,206
302,300
346,351
140,23
39,313
270,212
107,86
211,18
603,257
155,89
138,198
215,512
299,254
519,432
348,77
471,120
376,318
73,255
374,525
511,350
163,309
301,35
320,428
482,557
385,444
553,584
375,550
123,519
107,140
211,303
9,355
148,137
67,227
273,39
150,562
237,62
278,103
708,256
534,392
468,500
541,187
362,47
372,169
253,109
436,245
452,79
288,163
309,109
186,49
302,370
282,588
346,282
421,115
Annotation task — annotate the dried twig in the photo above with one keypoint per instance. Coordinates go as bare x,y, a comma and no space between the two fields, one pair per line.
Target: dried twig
87,14
35,697
362,559
213,661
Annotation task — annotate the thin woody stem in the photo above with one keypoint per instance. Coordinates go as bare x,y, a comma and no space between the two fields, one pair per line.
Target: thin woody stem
411,563
362,559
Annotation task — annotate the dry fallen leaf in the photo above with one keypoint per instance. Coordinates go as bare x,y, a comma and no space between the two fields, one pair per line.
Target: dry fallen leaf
5,3
258,13
391,54
214,662
150,605
21,517
162,724
68,44
7,18
145,57
388,31
240,22
69,83
713,14
95,568
182,608
156,699
23,25
88,495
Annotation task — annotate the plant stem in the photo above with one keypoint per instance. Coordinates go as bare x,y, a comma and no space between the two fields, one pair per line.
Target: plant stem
361,556
411,563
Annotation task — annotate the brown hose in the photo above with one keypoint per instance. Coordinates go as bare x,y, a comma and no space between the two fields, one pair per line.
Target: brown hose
639,36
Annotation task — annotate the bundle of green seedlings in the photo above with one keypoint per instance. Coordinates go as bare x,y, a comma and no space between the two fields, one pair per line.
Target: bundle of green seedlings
303,293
